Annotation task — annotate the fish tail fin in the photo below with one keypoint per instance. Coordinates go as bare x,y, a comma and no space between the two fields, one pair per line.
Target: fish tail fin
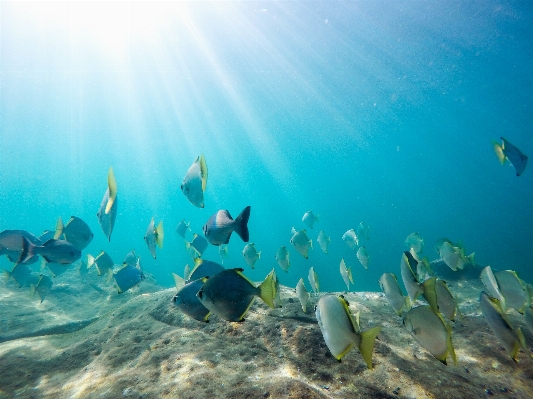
59,228
90,261
241,224
268,289
366,345
498,150
112,187
27,252
159,234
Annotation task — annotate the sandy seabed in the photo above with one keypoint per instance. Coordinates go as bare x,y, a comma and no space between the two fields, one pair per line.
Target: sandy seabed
87,341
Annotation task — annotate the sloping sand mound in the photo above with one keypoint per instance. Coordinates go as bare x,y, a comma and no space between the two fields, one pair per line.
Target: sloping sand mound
138,345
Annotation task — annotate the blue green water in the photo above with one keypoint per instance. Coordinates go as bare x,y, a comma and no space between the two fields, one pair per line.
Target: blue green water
382,112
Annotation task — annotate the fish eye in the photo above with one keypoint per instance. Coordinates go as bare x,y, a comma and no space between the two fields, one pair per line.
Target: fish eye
200,294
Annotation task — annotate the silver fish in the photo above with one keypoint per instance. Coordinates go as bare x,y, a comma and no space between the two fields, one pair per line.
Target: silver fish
410,281
313,280
390,287
310,219
194,182
219,227
415,242
301,242
350,238
250,254
346,273
363,231
108,208
154,235
302,294
282,257
363,257
223,252
323,241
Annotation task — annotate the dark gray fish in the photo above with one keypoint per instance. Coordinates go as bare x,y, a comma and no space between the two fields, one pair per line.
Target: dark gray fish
229,294
203,268
508,151
187,301
54,251
194,182
219,227
21,273
43,287
103,262
154,235
108,208
127,277
11,244
76,231
198,245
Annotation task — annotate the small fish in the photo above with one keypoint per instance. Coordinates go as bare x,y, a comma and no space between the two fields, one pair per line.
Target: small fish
346,273
127,277
323,241
188,302
182,228
198,244
154,235
508,151
423,267
363,256
363,231
454,257
510,337
313,280
416,242
282,257
410,281
76,231
229,294
21,273
301,242
250,254
130,258
223,252
54,251
310,219
194,182
340,331
108,208
491,284
203,268
103,262
431,331
43,287
219,227
350,238
513,290
390,287
55,268
302,294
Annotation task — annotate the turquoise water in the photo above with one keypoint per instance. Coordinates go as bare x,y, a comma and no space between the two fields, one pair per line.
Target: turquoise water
382,112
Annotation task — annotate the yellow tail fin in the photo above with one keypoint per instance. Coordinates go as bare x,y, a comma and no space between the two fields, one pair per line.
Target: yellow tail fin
159,234
366,345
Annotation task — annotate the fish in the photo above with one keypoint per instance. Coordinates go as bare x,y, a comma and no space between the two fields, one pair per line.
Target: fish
301,242
282,257
416,242
229,294
302,294
203,268
431,331
53,251
130,258
310,219
446,301
340,331
103,262
363,256
410,281
55,268
198,244
390,287
346,273
515,157
313,280
509,336
182,228
350,238
323,241
250,254
223,252
423,267
454,257
126,277
154,235
363,231
76,231
21,273
108,208
220,225
194,182
43,287
11,244
491,284
513,290
187,301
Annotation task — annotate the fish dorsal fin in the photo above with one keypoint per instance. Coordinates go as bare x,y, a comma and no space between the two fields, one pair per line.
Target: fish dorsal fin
112,187
293,230
178,281
159,234
59,228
